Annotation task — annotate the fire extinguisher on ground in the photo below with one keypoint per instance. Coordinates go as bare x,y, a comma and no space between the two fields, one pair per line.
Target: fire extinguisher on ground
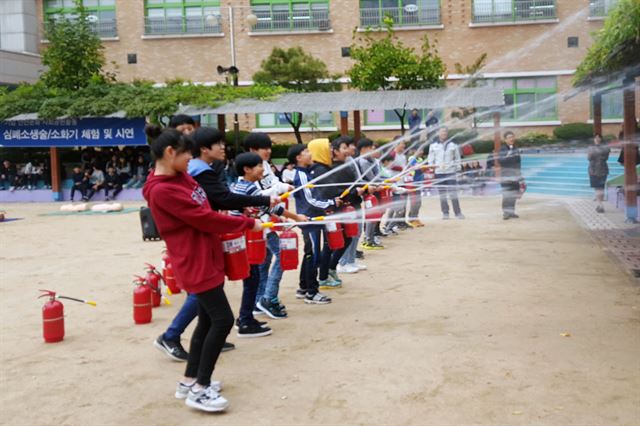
53,315
142,301
154,279
167,274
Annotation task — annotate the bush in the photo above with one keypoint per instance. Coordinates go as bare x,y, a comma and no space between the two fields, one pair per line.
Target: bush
280,150
337,134
574,131
482,147
536,139
463,135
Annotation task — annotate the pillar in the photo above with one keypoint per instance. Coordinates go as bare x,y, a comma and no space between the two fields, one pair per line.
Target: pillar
356,125
497,142
630,174
56,182
597,114
222,125
344,123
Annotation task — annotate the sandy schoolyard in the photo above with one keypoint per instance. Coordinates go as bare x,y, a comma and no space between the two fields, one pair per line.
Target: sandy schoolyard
481,321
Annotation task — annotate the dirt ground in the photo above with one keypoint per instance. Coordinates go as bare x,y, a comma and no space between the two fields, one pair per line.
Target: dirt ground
481,321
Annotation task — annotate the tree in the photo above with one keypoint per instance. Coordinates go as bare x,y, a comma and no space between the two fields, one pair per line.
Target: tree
473,71
74,54
385,63
298,71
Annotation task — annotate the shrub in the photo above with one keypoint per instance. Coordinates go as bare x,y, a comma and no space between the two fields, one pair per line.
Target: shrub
482,147
280,150
536,139
230,139
574,131
463,135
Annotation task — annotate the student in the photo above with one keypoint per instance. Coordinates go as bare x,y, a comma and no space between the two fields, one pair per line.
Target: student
399,165
370,173
267,300
123,170
80,182
206,168
415,162
111,183
140,172
191,229
183,123
444,155
598,155
342,261
288,173
96,182
309,204
250,170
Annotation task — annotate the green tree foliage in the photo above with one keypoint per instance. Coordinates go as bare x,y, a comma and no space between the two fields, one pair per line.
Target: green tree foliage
385,63
139,99
74,53
298,71
617,44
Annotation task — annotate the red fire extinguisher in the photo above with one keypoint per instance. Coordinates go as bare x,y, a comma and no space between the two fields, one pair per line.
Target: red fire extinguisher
351,227
142,303
153,277
334,235
256,247
288,250
385,197
167,274
53,316
236,264
373,212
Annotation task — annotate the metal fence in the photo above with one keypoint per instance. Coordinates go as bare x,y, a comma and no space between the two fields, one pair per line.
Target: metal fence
104,28
301,19
601,7
513,10
210,24
402,16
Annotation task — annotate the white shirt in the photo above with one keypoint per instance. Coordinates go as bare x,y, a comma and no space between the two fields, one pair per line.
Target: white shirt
445,156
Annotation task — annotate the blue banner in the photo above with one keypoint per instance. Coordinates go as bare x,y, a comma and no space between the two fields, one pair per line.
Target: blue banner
73,132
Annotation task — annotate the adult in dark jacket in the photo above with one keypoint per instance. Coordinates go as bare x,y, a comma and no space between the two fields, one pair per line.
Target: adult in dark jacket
598,156
510,175
208,148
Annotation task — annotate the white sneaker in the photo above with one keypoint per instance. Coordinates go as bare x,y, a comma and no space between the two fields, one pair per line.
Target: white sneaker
349,268
361,266
182,390
207,399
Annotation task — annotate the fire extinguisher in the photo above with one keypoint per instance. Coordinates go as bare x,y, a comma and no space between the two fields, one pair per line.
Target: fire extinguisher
351,227
334,235
256,247
142,304
385,197
373,212
153,277
167,274
236,264
53,316
288,250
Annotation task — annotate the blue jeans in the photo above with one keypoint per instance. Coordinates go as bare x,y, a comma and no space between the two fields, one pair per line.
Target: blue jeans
349,255
269,283
183,318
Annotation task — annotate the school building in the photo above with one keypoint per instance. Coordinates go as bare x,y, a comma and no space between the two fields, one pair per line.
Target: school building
533,48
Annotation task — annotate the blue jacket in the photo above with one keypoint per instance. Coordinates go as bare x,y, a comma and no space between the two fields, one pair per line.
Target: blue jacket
308,201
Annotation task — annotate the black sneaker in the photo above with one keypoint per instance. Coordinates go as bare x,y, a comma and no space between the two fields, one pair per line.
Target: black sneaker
359,254
260,323
300,293
271,309
253,329
173,350
228,347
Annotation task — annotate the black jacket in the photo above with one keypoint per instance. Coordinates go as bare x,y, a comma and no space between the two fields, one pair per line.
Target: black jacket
219,195
509,163
345,175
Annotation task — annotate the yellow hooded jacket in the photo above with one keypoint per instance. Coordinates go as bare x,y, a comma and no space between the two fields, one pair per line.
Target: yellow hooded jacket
320,151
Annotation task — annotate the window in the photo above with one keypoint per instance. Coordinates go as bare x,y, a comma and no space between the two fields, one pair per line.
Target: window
612,104
403,12
101,14
165,17
390,118
291,15
600,8
527,99
309,120
495,11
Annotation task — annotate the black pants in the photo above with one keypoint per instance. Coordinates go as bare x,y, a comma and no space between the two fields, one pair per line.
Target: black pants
448,187
249,291
91,191
215,320
510,190
82,188
312,237
115,188
330,258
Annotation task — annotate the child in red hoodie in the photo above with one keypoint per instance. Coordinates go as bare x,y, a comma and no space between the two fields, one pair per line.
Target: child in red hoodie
190,230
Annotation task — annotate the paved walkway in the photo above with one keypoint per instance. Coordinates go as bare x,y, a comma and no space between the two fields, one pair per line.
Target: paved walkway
621,240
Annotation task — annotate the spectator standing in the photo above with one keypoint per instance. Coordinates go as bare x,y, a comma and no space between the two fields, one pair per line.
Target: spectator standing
510,175
444,155
598,156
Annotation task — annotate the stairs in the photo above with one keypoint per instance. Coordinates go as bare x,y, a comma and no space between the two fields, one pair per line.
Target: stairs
562,174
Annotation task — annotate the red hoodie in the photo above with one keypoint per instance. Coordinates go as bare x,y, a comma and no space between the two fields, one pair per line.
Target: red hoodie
190,229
